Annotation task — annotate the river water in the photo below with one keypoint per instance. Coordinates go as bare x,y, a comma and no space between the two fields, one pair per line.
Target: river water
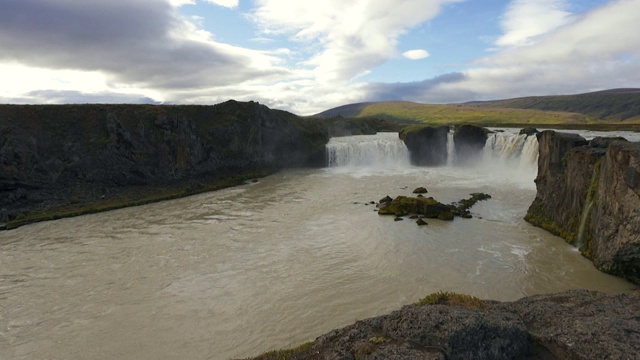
272,264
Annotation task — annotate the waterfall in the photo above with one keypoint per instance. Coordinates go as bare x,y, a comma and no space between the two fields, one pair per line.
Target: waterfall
512,150
451,149
381,150
507,153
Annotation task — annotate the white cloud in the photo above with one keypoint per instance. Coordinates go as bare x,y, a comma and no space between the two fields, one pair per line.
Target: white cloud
158,50
224,3
347,38
525,20
596,50
416,54
178,3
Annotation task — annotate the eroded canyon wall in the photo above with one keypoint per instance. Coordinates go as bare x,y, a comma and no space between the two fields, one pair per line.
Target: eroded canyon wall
588,192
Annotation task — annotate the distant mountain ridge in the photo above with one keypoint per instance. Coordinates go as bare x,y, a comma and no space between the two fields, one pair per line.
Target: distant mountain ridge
606,105
600,107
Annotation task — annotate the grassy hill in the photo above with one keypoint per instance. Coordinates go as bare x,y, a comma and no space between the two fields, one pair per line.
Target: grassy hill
604,109
610,105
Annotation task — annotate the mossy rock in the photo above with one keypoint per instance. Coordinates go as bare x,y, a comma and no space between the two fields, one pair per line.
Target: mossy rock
429,207
451,298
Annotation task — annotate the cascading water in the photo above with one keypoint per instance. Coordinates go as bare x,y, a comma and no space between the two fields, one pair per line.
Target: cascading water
381,150
386,149
515,151
506,157
451,149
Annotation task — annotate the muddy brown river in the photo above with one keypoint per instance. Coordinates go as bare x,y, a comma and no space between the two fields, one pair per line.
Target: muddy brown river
272,264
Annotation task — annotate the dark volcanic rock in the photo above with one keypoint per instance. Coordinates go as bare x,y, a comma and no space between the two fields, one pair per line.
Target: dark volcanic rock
589,194
604,142
429,207
53,155
569,325
614,235
427,145
469,141
582,324
528,131
420,190
341,126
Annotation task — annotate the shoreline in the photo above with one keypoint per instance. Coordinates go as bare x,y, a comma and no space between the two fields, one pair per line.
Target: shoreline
130,196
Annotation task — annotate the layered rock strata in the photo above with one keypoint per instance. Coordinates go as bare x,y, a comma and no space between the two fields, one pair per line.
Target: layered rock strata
589,194
427,145
65,160
469,142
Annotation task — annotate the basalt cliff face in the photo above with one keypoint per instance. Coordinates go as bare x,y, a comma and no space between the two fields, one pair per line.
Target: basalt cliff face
589,194
63,160
429,146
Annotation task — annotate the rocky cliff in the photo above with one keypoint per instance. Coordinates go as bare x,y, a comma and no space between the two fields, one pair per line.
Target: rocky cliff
427,145
569,325
589,194
469,143
64,160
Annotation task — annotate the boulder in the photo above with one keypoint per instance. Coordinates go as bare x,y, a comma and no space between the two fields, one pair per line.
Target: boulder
420,190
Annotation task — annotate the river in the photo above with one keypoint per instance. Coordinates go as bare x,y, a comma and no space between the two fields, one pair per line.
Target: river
275,263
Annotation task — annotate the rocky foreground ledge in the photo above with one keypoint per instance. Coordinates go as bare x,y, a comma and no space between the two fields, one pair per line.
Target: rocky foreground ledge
575,324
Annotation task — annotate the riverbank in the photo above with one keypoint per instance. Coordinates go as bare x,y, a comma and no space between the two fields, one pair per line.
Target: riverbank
66,160
86,199
575,324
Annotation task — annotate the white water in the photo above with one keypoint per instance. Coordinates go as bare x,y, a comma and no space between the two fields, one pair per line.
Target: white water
506,155
237,272
382,150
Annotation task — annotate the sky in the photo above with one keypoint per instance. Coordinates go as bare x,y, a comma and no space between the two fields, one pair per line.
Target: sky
309,56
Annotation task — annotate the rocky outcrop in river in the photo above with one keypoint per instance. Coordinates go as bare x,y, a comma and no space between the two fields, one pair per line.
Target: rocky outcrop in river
427,145
589,194
65,160
469,141
569,325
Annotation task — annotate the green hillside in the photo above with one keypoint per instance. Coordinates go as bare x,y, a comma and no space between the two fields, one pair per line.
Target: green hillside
610,105
611,108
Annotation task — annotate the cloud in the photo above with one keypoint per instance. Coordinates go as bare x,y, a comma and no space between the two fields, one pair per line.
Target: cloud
142,43
77,97
224,3
594,51
524,20
345,39
591,51
416,54
412,91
